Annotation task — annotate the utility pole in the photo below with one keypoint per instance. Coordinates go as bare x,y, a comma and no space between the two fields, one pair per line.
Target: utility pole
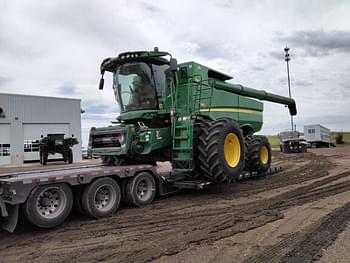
287,59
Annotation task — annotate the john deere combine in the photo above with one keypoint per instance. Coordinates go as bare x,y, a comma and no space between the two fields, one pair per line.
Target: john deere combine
184,113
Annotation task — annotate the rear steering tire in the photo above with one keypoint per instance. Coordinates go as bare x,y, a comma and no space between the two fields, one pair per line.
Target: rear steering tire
70,156
258,154
49,205
221,151
101,197
43,158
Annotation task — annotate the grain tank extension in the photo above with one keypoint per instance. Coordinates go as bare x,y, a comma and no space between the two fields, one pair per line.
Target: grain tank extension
184,113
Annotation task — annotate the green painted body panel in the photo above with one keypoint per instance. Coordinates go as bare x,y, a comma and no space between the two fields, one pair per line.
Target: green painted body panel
194,92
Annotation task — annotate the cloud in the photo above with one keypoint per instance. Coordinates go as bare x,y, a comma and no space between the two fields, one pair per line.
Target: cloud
68,89
149,7
55,48
3,81
316,43
303,83
99,109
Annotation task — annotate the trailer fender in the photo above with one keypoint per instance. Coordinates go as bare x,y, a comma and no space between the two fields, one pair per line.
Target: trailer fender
9,216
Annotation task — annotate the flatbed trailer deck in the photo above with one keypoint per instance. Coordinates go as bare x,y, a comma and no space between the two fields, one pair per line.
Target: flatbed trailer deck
95,190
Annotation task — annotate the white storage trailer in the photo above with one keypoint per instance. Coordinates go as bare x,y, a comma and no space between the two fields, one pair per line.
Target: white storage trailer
317,135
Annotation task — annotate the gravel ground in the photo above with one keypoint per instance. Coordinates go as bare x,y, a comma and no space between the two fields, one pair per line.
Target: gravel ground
291,216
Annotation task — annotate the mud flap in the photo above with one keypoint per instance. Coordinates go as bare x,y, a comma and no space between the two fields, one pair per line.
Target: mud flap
8,216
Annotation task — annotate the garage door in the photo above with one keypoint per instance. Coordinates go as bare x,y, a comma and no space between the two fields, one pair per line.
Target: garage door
5,146
32,134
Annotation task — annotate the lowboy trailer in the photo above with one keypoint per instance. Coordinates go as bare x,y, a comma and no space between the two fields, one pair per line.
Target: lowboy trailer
47,197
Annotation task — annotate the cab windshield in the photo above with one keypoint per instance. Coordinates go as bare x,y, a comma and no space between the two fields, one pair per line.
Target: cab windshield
138,85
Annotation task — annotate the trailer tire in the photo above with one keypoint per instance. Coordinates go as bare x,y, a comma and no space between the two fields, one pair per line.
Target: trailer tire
258,154
101,197
49,205
77,205
140,190
221,151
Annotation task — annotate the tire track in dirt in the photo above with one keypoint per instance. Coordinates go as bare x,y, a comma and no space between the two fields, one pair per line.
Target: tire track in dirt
144,234
254,216
307,246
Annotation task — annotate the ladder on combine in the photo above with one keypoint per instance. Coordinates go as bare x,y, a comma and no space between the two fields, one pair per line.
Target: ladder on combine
189,98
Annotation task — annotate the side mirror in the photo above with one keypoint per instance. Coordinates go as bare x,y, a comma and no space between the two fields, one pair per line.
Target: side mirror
102,82
173,64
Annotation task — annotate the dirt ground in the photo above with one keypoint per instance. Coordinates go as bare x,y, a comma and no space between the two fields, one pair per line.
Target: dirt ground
292,216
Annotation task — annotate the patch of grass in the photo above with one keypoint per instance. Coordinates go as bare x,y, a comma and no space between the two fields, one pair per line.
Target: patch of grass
346,137
274,141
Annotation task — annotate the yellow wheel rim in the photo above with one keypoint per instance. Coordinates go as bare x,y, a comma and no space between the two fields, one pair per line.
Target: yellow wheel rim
264,155
232,149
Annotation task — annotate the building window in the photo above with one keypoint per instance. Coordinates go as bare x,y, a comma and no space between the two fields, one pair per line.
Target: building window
311,131
5,149
31,145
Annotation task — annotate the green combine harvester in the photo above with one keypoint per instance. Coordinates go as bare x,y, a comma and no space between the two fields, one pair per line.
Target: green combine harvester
187,114
184,113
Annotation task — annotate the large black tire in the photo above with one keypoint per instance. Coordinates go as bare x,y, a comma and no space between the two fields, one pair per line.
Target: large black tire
43,158
221,151
77,204
70,156
101,197
258,154
49,205
199,129
286,148
304,148
140,190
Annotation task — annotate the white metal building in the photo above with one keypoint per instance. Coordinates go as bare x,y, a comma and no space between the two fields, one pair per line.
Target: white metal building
24,118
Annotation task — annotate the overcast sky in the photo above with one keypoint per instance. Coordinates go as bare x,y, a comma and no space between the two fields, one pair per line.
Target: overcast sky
54,48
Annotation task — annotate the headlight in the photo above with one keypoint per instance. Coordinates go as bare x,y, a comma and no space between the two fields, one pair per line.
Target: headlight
121,138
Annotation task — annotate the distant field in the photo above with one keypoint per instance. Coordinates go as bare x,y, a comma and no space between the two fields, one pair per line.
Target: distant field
274,141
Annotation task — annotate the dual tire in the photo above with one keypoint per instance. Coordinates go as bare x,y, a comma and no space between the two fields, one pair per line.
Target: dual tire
258,154
224,153
48,206
140,190
221,151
